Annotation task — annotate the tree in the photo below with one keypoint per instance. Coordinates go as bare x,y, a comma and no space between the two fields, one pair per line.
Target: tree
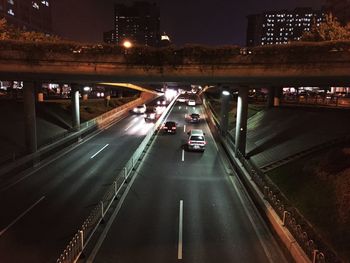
37,37
8,32
329,30
3,29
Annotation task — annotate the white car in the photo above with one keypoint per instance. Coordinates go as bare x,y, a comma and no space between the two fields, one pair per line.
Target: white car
141,109
196,140
191,103
181,99
161,102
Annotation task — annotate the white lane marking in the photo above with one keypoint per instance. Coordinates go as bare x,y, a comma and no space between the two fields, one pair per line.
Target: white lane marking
183,155
21,215
179,248
179,107
185,128
212,137
132,123
127,128
99,151
252,221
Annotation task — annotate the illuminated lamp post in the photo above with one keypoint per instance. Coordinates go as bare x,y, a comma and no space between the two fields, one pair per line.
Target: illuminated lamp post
225,100
127,44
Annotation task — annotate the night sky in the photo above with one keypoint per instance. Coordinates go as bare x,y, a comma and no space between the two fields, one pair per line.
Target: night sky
220,22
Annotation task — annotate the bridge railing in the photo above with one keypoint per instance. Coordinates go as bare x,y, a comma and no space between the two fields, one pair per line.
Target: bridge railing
307,238
80,240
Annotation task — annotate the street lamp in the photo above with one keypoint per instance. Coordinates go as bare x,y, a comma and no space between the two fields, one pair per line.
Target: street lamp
127,44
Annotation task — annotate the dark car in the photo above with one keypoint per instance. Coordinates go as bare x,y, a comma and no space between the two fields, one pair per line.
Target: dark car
151,115
193,118
169,127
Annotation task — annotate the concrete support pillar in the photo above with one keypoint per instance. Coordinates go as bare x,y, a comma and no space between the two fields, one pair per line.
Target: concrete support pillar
270,97
224,115
241,122
75,106
277,96
39,92
40,96
29,116
107,96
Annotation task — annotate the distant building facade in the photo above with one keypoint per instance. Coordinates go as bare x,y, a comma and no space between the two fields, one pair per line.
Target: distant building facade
281,27
28,15
109,37
138,23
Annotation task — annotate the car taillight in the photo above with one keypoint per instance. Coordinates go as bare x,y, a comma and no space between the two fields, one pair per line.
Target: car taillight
189,142
174,128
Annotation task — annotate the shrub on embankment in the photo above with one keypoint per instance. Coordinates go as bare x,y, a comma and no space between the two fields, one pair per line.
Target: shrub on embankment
319,186
177,56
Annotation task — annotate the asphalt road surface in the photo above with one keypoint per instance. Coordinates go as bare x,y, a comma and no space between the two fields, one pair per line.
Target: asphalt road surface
42,210
185,207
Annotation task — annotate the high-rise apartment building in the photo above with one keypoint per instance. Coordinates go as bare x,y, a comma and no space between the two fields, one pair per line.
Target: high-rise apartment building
138,23
28,15
281,27
109,37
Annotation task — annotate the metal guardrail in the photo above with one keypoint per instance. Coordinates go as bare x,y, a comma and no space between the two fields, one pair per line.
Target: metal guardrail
75,247
316,250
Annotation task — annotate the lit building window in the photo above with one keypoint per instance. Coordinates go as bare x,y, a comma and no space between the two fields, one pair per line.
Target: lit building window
45,3
10,12
35,5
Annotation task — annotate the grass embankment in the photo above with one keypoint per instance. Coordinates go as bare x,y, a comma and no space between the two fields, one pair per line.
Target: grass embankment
91,108
252,110
319,187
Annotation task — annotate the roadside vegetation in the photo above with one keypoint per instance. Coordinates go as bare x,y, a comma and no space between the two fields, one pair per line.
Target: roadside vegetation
329,30
90,108
319,187
213,96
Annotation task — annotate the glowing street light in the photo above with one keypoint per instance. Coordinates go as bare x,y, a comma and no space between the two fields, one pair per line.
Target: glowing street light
127,44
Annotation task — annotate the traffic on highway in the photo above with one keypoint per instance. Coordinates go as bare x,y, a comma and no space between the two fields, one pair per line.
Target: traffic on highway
184,203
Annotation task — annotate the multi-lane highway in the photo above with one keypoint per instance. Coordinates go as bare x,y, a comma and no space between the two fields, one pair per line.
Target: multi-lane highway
185,206
182,205
42,210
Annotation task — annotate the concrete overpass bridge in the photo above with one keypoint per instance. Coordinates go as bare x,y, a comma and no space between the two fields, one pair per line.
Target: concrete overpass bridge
306,64
274,67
